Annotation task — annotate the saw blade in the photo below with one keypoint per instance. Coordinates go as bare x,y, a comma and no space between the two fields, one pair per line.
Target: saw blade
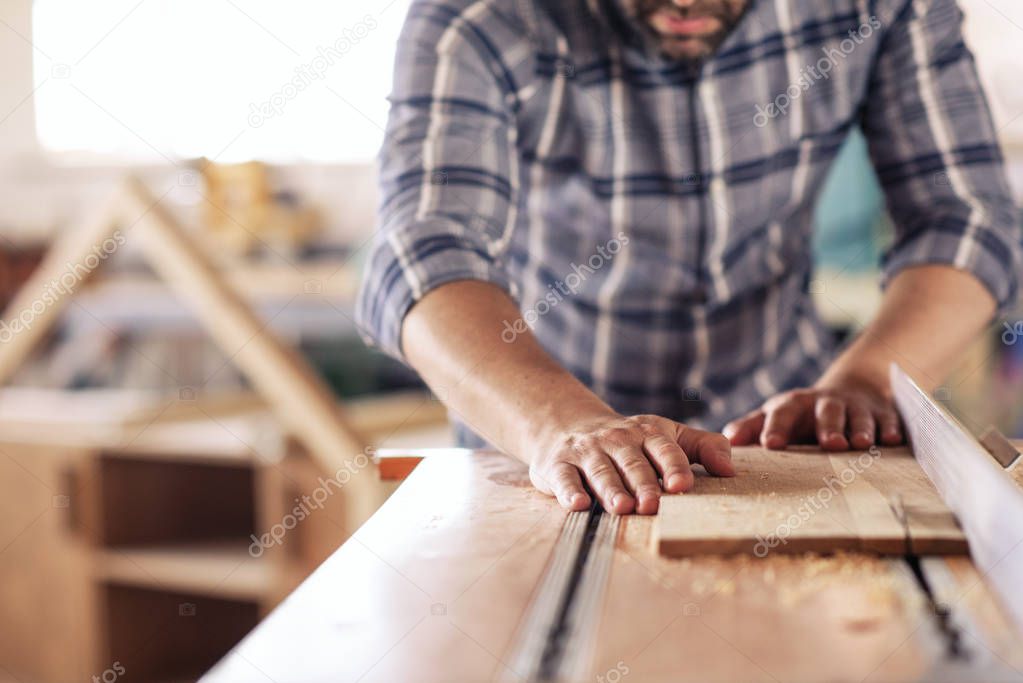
988,504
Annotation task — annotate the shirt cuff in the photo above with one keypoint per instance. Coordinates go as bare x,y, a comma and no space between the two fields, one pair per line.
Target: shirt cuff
990,256
406,264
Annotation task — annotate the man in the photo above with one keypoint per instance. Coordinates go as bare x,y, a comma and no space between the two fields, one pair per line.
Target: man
595,226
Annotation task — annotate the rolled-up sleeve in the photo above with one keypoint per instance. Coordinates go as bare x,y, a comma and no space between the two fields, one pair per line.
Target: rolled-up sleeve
934,146
447,171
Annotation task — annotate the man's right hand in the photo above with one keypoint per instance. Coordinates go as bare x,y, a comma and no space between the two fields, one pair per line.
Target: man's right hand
518,398
621,458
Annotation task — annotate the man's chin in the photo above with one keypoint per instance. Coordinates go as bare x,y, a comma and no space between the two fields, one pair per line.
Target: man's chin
687,48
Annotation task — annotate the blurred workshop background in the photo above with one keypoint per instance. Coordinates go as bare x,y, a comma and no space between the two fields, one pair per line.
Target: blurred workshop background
141,473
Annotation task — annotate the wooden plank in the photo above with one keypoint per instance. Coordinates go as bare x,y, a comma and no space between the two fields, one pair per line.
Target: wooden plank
933,529
870,511
1000,448
300,399
70,262
801,500
47,601
218,569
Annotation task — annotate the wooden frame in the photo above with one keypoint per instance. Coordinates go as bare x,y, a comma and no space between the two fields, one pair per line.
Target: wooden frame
298,397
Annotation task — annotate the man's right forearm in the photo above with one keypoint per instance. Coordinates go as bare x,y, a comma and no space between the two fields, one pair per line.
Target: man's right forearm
512,393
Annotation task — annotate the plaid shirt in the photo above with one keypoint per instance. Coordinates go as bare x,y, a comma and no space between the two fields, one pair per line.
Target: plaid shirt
653,219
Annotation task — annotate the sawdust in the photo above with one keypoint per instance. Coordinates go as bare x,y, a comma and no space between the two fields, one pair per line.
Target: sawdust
797,578
516,477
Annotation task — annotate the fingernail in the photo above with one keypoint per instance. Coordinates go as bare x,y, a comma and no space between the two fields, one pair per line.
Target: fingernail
676,481
619,500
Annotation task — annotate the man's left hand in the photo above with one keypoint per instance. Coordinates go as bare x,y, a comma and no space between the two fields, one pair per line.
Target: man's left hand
837,417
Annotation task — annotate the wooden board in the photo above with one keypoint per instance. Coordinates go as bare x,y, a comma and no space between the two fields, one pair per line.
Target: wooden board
802,500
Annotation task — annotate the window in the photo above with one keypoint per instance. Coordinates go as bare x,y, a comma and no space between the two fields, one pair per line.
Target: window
150,80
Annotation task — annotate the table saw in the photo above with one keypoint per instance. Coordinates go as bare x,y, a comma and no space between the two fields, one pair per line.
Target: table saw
469,574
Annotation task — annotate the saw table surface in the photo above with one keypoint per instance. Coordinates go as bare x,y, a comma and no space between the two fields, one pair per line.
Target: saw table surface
434,586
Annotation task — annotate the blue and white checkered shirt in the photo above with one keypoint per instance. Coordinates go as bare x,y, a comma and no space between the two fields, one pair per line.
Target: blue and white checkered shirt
654,220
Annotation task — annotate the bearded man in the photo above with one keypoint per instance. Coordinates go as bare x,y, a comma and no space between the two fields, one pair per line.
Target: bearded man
595,226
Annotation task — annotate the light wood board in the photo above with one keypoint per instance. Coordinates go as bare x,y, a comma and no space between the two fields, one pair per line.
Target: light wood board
803,500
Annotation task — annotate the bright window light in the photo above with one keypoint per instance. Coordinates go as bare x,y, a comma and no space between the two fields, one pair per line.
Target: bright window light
152,80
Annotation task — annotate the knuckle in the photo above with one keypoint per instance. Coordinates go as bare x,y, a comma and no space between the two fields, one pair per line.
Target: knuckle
538,480
621,436
716,439
563,477
675,469
828,401
666,449
600,470
579,446
645,490
637,467
648,429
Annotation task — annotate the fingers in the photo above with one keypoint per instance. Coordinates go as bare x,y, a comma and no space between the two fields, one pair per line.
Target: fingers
839,421
606,483
862,428
829,414
780,424
639,477
619,463
890,427
567,486
709,449
746,430
671,461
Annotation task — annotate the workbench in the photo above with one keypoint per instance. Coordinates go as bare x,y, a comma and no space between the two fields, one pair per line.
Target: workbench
435,585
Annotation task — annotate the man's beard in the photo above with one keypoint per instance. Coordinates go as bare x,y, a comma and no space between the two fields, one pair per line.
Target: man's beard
727,13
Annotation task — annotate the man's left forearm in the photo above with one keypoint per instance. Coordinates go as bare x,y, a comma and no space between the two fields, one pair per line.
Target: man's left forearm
929,316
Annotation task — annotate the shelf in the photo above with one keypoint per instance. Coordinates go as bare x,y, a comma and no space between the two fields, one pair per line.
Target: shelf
223,570
241,440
